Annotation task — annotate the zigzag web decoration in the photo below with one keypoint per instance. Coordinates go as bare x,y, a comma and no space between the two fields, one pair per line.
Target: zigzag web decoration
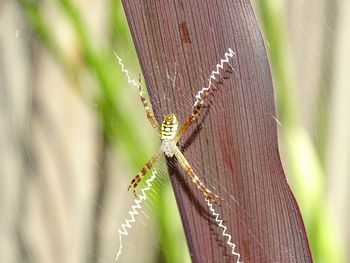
122,231
229,53
126,72
224,230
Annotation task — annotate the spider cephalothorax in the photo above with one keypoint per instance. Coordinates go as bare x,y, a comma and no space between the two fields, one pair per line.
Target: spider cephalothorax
170,135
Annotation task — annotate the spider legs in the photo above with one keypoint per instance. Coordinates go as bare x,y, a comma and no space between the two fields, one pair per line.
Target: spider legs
137,179
201,187
148,111
189,171
192,118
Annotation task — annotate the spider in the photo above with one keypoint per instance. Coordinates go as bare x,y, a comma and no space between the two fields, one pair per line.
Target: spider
170,135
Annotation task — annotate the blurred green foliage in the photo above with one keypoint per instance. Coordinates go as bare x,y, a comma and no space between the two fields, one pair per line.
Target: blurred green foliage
118,119
302,161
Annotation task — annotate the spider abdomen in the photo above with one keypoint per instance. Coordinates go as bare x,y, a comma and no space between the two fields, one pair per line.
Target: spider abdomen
169,127
168,147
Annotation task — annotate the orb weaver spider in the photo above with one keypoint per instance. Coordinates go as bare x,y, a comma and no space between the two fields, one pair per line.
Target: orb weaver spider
170,135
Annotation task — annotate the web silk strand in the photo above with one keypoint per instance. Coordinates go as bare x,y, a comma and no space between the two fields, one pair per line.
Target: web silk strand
122,231
224,230
229,54
126,72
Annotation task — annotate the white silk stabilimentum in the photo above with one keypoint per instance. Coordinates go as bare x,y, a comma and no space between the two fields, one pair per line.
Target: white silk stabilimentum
224,231
122,231
229,53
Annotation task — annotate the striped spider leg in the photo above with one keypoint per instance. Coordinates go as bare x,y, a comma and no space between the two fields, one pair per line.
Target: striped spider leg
144,171
148,111
181,158
189,171
137,179
169,137
192,117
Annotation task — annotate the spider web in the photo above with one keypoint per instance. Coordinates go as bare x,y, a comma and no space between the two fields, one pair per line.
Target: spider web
212,183
215,74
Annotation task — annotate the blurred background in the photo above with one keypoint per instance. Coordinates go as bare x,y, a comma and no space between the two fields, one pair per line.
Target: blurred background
73,132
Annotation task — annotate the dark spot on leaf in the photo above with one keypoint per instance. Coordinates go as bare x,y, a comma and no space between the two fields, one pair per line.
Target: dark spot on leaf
181,4
185,35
